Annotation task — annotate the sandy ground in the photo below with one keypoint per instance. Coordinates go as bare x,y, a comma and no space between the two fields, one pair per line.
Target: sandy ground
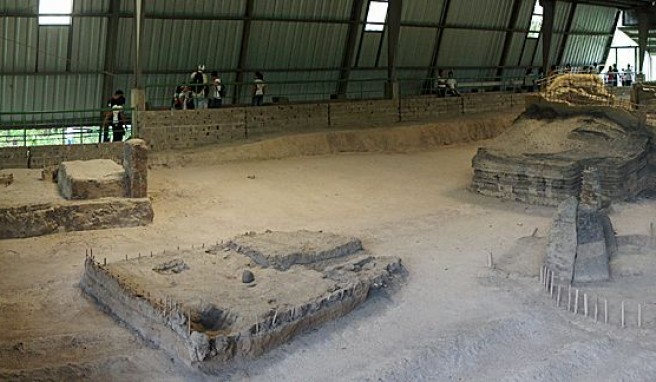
450,322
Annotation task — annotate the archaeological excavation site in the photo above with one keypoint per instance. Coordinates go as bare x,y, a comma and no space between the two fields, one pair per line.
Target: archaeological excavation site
316,190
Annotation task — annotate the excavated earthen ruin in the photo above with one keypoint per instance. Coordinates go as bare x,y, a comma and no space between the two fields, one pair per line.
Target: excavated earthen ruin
541,158
213,305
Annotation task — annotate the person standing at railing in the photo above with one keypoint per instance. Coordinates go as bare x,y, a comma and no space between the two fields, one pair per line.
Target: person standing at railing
451,85
217,92
199,87
628,76
258,90
116,103
440,84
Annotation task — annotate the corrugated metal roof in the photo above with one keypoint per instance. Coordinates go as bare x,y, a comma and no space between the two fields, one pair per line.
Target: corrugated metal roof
422,11
416,46
493,14
369,49
555,43
53,48
295,45
18,44
589,18
19,6
88,44
585,50
463,47
52,92
315,9
90,6
187,47
189,7
176,46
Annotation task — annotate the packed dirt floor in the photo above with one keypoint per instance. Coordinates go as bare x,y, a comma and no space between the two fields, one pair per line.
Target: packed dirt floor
452,321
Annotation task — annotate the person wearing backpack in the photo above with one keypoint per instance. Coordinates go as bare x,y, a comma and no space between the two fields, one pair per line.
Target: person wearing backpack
116,103
259,88
217,91
199,87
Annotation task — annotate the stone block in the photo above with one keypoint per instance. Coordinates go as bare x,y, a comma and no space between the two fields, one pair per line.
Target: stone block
562,241
135,164
98,178
592,253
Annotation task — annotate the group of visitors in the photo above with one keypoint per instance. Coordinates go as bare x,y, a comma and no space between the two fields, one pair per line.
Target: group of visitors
445,85
203,93
614,77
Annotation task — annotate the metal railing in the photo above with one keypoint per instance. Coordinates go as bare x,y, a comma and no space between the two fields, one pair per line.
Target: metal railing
163,96
60,127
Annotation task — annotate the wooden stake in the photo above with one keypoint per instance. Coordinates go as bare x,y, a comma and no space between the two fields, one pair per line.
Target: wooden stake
585,304
490,261
551,288
558,296
105,261
569,298
605,311
596,308
639,315
622,313
576,302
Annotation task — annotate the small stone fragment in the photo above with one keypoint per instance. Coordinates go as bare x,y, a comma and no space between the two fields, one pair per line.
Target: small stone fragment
247,277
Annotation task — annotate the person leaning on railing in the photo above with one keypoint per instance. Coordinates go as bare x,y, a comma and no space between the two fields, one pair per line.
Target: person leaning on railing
258,90
116,103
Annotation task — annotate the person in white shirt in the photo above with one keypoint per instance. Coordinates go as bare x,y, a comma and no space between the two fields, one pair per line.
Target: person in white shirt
217,91
259,88
199,87
451,85
628,76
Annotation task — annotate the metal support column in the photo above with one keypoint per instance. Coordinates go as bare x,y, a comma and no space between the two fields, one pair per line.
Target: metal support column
394,28
111,46
438,37
568,31
549,11
349,48
643,34
243,52
512,23
138,99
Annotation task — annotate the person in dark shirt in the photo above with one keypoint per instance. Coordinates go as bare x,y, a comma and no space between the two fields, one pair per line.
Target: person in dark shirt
116,103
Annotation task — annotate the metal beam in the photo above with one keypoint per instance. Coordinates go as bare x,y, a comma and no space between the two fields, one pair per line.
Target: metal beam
349,47
111,48
514,15
549,11
393,32
438,38
610,38
138,44
243,51
643,33
568,29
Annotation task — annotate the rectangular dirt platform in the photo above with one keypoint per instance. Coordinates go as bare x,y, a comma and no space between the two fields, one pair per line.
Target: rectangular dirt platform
213,305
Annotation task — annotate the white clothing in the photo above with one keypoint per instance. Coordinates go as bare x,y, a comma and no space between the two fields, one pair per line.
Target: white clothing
259,87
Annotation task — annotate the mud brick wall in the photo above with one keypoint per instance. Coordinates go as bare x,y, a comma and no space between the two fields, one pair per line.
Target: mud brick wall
164,130
358,113
181,129
52,155
430,108
272,120
13,157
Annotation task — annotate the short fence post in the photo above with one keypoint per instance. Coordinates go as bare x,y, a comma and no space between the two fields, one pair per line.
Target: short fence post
639,315
558,296
576,302
605,311
622,313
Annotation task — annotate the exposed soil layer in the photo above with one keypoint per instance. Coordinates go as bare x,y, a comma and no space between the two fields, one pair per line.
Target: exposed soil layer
194,305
